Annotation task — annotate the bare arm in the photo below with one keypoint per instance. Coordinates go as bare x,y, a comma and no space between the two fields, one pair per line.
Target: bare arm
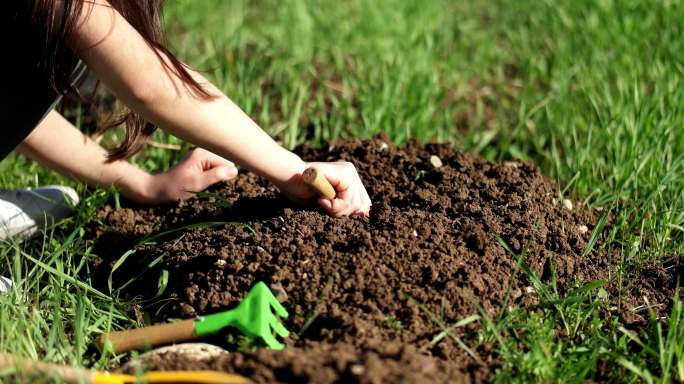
59,145
121,58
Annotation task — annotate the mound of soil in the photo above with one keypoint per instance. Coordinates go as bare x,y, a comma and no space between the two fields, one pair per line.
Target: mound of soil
369,298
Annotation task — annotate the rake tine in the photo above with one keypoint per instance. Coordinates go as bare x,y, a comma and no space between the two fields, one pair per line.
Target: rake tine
279,328
280,310
271,341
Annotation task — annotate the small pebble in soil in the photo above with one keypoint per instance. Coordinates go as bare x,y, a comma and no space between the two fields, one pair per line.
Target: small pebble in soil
435,161
220,263
383,147
510,164
358,369
583,229
414,233
567,204
529,289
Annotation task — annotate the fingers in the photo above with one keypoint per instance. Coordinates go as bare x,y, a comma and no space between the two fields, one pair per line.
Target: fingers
209,160
326,205
213,168
348,208
361,203
356,202
337,179
352,198
365,203
357,205
218,161
336,208
217,174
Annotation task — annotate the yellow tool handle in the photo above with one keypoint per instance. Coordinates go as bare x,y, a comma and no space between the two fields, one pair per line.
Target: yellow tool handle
65,373
316,180
123,341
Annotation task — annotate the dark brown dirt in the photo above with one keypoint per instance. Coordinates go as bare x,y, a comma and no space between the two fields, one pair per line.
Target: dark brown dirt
431,239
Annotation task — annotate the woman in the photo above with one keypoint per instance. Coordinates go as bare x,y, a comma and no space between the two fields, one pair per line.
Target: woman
121,43
50,42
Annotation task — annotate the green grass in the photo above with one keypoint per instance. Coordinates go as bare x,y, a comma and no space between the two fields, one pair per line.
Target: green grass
591,91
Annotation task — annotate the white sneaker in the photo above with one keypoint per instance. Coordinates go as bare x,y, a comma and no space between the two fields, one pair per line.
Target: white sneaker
5,284
24,211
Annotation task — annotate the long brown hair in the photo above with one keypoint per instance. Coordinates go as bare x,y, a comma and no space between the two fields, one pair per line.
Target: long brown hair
58,61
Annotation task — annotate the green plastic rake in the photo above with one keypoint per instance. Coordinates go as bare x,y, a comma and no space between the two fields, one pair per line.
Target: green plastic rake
253,317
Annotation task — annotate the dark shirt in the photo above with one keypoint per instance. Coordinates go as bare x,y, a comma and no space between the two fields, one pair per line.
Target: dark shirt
26,95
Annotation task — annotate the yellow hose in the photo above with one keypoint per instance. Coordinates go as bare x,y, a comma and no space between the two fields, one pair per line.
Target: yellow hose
111,378
79,375
204,377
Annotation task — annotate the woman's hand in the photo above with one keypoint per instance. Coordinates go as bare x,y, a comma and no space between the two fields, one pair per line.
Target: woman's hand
197,171
351,199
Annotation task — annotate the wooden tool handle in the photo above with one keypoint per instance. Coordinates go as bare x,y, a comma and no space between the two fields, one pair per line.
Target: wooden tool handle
316,180
27,366
151,336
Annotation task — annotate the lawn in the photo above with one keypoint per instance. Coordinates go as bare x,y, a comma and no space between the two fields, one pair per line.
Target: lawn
589,91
